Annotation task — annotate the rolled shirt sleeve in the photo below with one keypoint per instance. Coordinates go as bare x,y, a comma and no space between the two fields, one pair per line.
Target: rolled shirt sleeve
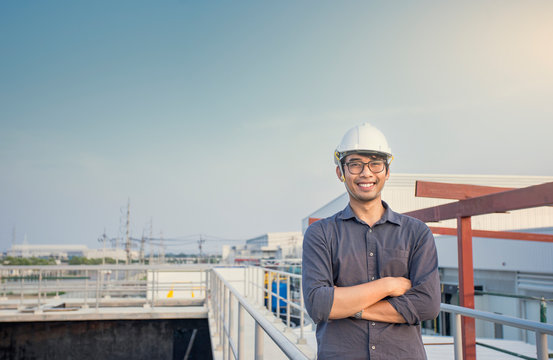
422,301
317,279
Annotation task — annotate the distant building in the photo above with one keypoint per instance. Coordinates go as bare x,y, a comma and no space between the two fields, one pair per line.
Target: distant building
276,245
47,251
282,244
67,251
510,276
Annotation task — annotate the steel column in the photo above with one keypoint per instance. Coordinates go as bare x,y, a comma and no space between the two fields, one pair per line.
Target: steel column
277,319
241,354
288,300
258,341
458,338
231,334
466,284
302,340
541,345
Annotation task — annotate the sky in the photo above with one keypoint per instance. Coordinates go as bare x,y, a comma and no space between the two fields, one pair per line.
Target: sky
220,117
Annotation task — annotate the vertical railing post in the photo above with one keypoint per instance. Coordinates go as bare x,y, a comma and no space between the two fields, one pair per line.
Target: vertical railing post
301,340
225,319
221,313
58,284
277,297
258,342
250,289
241,355
216,296
288,300
85,305
466,284
458,338
541,346
231,333
98,275
261,287
246,281
270,291
39,287
22,286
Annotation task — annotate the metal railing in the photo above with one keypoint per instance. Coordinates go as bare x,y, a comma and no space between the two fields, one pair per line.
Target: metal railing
223,299
149,284
260,288
541,330
94,284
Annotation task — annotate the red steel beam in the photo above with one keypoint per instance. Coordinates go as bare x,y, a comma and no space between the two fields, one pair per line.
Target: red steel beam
439,190
495,234
529,197
312,220
466,285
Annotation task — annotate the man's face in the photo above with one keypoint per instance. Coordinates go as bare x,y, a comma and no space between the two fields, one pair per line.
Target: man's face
366,186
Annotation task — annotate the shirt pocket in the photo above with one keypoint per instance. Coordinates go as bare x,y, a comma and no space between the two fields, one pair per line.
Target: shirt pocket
393,262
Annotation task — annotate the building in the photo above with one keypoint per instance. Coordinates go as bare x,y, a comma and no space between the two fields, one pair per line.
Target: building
275,245
288,244
67,251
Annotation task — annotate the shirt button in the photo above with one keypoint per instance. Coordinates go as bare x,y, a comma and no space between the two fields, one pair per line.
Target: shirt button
373,323
373,347
371,254
372,277
370,230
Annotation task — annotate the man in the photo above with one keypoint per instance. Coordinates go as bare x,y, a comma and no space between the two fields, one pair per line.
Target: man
370,275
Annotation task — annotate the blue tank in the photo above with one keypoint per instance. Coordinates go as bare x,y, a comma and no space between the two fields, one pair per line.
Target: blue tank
282,293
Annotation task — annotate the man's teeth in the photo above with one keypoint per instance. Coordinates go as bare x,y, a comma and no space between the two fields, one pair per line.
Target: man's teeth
366,185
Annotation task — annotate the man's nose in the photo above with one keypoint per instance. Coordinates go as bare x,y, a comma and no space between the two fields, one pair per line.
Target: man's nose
366,171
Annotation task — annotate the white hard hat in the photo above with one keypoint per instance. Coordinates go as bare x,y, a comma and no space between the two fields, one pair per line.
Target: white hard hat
363,138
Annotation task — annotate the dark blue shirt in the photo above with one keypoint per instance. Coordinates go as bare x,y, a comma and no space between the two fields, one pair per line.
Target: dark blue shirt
344,251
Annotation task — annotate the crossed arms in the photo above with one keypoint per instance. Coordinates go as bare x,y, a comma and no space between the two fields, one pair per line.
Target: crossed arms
369,297
387,299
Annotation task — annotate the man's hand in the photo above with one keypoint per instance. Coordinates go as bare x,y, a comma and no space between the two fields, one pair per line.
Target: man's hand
397,286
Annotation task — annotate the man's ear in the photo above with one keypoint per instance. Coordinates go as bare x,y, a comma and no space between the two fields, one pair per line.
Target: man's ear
339,174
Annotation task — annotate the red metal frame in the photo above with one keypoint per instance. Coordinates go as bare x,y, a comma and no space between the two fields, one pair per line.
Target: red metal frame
487,200
466,284
511,235
439,190
524,198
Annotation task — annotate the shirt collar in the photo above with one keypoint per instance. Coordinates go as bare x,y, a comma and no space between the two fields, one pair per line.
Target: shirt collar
388,215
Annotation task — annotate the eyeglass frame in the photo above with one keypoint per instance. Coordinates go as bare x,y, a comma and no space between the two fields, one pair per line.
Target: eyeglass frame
368,164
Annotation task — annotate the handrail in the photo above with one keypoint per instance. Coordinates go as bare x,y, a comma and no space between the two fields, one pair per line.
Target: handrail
541,329
261,322
500,319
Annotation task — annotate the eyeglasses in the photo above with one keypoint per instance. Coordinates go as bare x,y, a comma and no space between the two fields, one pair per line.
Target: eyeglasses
356,167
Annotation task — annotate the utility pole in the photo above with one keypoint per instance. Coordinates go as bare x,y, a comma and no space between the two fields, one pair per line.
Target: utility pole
128,239
200,242
151,243
162,248
142,248
104,237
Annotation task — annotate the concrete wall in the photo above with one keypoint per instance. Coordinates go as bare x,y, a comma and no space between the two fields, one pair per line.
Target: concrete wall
120,339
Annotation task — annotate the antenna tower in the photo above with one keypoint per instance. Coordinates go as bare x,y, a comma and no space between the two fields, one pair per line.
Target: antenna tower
128,238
